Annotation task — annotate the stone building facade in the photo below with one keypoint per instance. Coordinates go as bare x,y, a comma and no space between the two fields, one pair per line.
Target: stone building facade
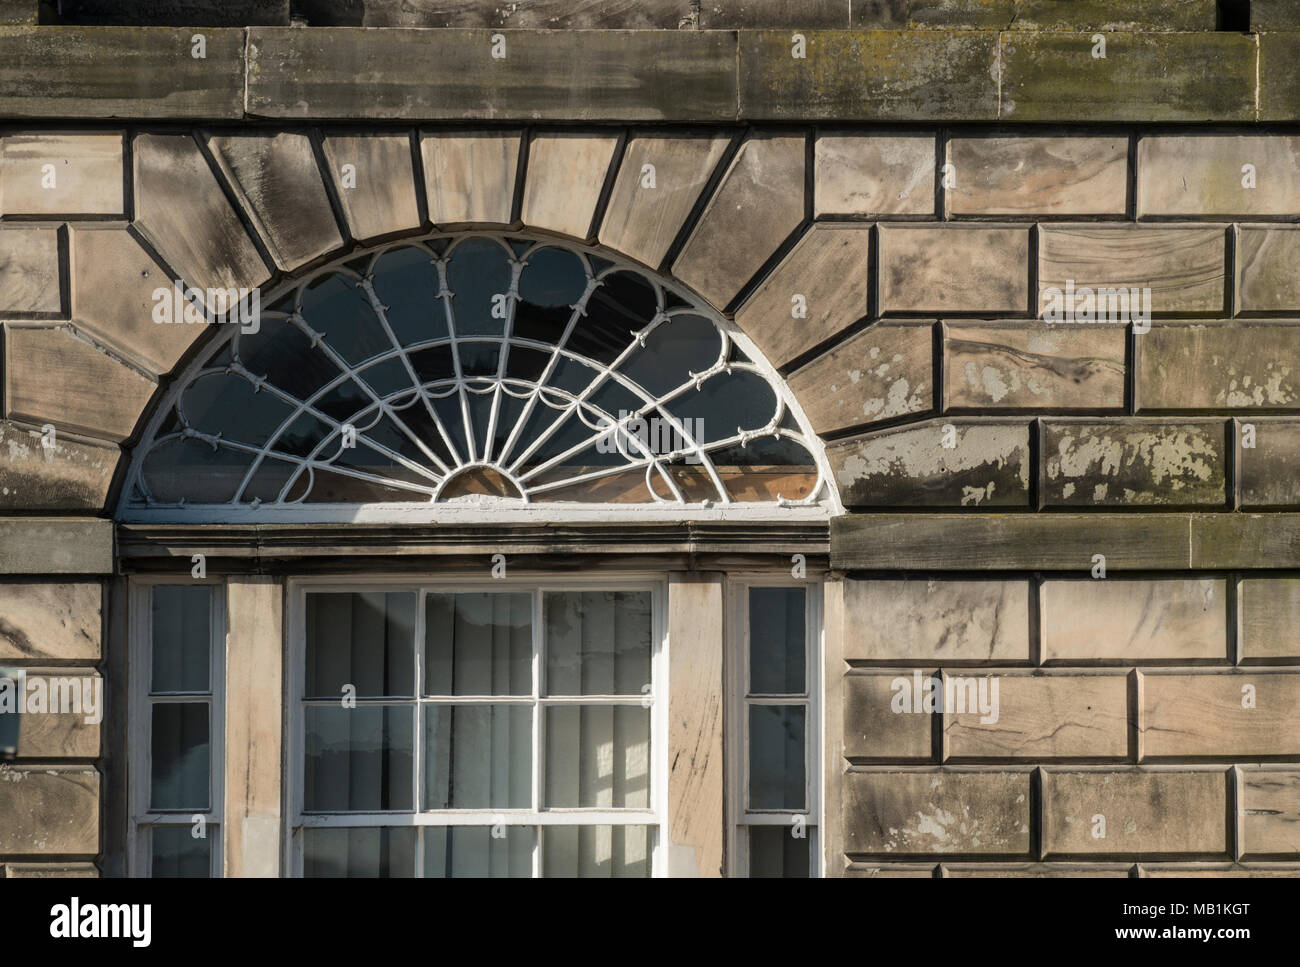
1019,275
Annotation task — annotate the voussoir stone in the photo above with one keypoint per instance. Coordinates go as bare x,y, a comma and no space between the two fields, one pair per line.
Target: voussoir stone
470,176
659,180
817,291
1270,612
880,174
1206,175
1266,268
1187,365
378,191
566,174
49,809
953,269
758,205
52,376
45,620
1033,366
1247,714
883,372
29,269
61,174
1003,175
277,181
957,463
60,475
183,213
1270,821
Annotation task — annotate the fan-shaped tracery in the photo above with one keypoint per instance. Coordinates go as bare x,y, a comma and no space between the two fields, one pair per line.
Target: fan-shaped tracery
478,369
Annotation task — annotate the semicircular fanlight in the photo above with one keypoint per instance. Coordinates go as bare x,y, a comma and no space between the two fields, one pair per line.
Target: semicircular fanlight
479,370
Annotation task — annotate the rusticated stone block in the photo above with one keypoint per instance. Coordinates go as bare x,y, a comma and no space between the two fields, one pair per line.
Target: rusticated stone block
62,712
880,174
941,621
1019,366
56,545
19,11
1269,610
924,813
181,210
113,286
984,465
378,192
649,206
883,372
40,622
1142,620
50,871
29,270
873,729
756,207
1269,469
1133,463
49,809
1183,267
873,871
66,475
52,376
1038,717
1205,175
1038,871
817,291
469,176
566,174
953,269
1279,85
1270,807
1218,872
1248,714
1134,813
279,185
1002,175
61,174
1266,261
551,14
1185,366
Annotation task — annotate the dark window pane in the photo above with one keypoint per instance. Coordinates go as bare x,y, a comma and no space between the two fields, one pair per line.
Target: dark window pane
775,851
359,852
358,759
776,757
181,756
176,852
182,629
776,641
478,644
597,642
473,851
364,639
478,756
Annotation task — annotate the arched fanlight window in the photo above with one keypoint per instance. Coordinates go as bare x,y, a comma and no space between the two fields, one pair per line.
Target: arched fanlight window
480,372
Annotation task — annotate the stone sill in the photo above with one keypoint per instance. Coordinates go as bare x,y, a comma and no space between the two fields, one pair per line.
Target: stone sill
717,76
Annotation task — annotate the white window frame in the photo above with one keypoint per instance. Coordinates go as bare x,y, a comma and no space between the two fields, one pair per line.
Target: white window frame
139,723
537,583
739,816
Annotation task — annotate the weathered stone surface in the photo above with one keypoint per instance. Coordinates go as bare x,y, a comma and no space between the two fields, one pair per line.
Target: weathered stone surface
1004,175
1143,77
1266,261
953,269
566,174
1270,806
880,174
469,176
1185,366
1041,14
40,871
1269,610
1145,813
44,621
29,270
1268,472
1245,714
807,15
1038,717
881,373
873,730
817,291
759,203
99,72
452,74
62,712
1020,366
19,11
644,218
84,176
279,185
553,14
67,475
49,809
56,545
380,198
1133,463
1279,85
1203,175
1218,872
181,210
1041,871
113,285
869,75
1183,267
1067,542
52,376
923,813
1133,620
176,13
1245,541
987,466
944,621
874,871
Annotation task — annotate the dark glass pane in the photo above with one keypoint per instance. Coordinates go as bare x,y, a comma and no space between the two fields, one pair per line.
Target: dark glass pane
181,760
478,644
776,757
774,851
685,344
358,759
359,852
478,851
175,852
363,639
776,641
406,281
478,756
597,642
181,639
479,277
337,306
